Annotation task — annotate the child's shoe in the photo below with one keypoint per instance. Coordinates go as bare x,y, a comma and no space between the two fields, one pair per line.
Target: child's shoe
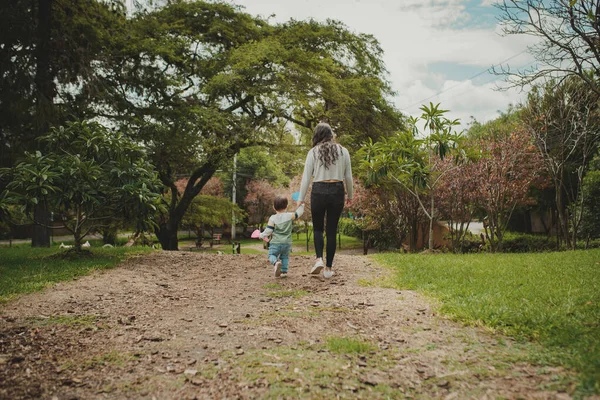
277,268
283,275
328,273
316,269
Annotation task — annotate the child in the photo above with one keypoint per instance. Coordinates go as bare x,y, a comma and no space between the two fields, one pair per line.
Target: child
280,227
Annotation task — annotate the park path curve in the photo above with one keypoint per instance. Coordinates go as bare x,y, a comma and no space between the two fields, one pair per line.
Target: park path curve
182,325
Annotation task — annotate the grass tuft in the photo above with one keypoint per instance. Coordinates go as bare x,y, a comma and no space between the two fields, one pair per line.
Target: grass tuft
345,345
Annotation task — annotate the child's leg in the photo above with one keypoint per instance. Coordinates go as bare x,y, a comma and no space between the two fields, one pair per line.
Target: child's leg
284,256
273,253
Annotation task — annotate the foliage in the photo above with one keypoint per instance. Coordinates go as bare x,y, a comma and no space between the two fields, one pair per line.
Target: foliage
201,80
550,298
89,178
26,270
565,33
386,214
590,227
259,201
208,212
497,128
565,122
503,177
214,187
350,227
458,201
413,163
516,242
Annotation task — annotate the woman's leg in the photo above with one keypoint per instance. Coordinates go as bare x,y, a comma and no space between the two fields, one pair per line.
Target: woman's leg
317,208
334,211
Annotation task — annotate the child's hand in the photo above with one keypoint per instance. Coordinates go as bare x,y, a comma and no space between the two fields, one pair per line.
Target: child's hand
266,239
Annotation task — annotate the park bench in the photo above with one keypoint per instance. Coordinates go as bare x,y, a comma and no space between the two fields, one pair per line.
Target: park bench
216,238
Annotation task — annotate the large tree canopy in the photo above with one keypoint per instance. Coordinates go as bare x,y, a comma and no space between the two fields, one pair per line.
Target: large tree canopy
197,81
192,81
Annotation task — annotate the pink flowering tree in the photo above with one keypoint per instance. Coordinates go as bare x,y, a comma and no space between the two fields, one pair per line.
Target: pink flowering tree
457,199
508,168
259,201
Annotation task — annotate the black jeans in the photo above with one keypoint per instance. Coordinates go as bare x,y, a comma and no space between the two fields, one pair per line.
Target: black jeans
326,198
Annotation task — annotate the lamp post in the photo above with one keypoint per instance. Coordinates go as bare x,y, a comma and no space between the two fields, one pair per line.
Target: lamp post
233,228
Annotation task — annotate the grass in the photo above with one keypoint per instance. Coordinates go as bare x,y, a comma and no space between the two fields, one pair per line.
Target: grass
24,269
68,320
549,298
310,372
345,345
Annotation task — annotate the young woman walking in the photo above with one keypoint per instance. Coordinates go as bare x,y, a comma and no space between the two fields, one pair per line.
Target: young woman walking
328,163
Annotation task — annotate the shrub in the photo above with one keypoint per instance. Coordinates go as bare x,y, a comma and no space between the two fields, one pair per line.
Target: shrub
349,227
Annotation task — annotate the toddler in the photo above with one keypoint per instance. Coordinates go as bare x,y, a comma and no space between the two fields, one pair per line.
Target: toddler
279,228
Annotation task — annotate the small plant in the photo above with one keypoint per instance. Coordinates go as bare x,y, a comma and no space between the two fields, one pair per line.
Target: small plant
343,345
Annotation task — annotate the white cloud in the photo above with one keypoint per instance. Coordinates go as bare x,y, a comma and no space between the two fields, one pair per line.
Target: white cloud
415,34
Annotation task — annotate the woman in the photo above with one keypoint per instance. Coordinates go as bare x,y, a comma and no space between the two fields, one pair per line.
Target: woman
329,164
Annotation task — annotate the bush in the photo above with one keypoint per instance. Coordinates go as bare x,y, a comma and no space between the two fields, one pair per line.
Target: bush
515,242
349,227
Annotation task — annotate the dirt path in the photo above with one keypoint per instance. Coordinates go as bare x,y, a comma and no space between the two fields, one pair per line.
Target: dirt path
184,325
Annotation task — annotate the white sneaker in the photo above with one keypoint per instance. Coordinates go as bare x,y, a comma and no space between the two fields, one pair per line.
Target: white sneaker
316,269
277,268
283,275
328,273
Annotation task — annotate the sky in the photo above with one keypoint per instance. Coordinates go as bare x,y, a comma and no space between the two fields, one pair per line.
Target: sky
435,50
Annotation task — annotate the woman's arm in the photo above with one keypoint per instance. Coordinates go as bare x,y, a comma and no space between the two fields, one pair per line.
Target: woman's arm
348,175
299,212
306,176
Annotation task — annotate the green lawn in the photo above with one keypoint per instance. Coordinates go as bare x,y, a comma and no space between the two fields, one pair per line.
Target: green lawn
24,269
550,298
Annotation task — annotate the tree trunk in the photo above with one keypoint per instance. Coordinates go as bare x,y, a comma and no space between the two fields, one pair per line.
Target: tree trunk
431,224
41,234
44,112
167,236
77,238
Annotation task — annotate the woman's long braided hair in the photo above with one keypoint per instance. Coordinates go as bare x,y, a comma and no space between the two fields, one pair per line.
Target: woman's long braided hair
328,150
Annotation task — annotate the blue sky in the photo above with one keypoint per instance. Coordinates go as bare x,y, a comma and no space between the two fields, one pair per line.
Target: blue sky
430,46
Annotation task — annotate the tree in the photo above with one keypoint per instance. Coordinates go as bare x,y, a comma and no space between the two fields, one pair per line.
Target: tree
566,33
90,177
565,123
590,227
386,216
209,212
457,200
259,201
503,177
415,163
198,81
48,50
